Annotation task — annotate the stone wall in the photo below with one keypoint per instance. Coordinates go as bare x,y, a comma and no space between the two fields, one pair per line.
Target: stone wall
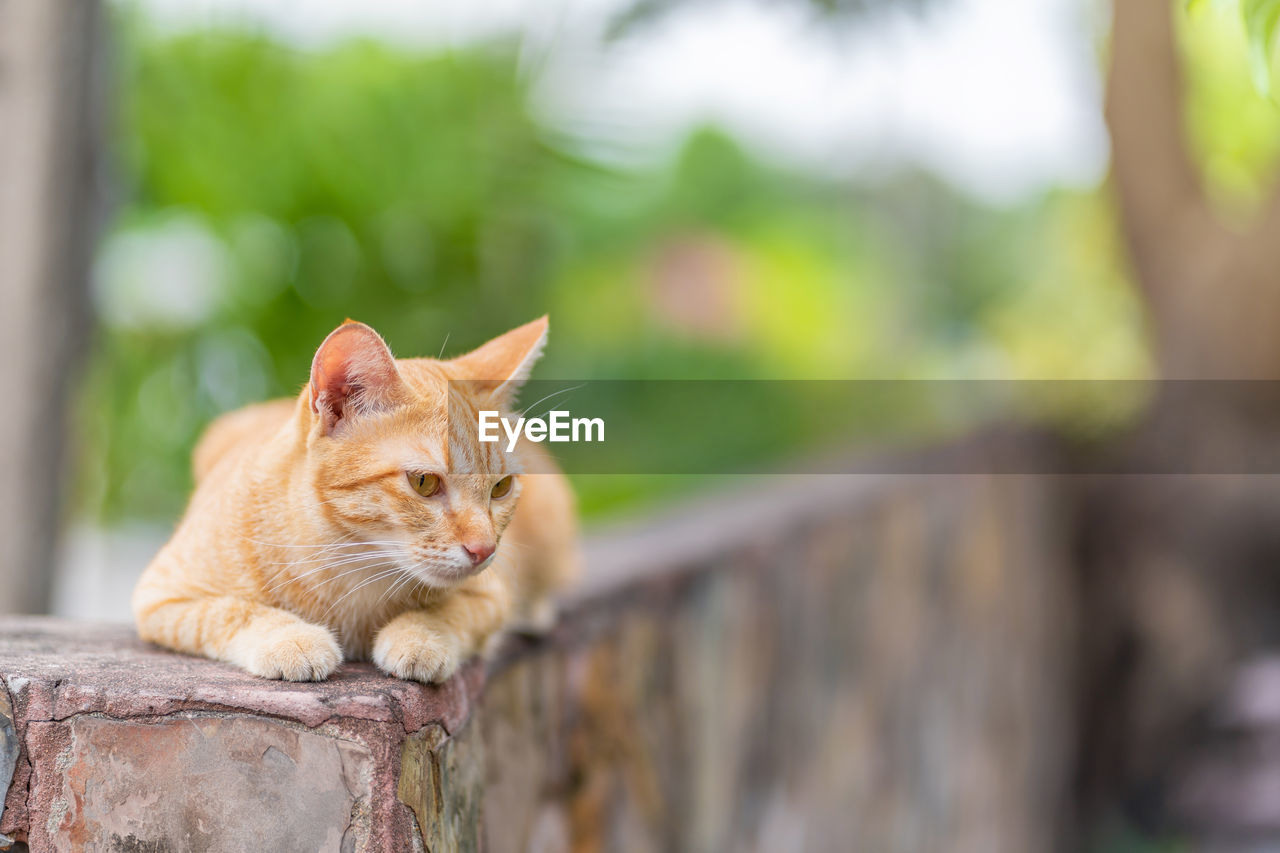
820,663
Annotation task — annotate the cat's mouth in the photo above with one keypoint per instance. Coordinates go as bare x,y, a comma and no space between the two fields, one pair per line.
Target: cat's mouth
451,574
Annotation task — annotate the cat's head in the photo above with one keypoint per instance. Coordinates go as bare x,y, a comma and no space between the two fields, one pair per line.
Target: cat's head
393,455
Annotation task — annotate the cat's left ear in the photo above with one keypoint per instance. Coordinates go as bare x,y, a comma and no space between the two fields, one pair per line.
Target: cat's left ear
498,369
353,373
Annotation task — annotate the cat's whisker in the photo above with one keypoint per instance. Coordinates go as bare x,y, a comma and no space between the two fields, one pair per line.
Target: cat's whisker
341,552
547,411
340,542
410,576
332,558
342,574
348,540
379,576
317,550
302,561
412,580
327,560
364,561
380,558
305,561
387,593
497,560
372,568
391,591
337,545
549,396
325,615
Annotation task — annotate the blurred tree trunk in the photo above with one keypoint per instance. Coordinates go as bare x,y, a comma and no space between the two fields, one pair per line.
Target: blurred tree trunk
1178,573
48,53
1212,290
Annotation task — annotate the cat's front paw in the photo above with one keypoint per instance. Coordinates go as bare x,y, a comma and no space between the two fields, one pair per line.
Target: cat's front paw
294,653
416,653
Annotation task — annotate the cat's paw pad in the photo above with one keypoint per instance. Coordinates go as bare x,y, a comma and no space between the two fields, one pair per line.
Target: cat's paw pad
295,653
418,655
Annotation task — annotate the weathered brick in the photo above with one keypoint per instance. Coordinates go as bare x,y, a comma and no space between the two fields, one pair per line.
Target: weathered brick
91,701
191,782
442,780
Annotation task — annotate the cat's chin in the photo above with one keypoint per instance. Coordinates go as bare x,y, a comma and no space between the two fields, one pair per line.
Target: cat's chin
448,577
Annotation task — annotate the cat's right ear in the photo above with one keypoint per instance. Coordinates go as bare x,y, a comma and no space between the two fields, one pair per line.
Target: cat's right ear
353,373
497,369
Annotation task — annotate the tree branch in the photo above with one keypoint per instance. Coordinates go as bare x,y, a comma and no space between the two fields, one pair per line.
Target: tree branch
1158,185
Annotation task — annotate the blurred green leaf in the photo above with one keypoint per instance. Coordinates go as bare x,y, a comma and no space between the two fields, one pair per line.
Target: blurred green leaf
1234,133
1261,18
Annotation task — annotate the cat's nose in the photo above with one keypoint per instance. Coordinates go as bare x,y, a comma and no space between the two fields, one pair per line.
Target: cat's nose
478,551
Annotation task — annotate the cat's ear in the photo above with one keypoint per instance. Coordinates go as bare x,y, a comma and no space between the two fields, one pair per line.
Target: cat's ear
353,373
497,369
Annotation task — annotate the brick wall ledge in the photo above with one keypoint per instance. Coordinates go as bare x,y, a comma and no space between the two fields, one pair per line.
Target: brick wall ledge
649,717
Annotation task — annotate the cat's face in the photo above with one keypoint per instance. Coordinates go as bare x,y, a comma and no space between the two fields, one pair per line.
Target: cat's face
394,454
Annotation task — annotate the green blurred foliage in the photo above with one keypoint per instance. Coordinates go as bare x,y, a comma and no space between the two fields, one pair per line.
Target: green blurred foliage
1235,131
412,192
269,192
1256,22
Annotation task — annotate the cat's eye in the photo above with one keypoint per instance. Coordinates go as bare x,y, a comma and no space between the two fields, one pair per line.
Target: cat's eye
424,484
502,488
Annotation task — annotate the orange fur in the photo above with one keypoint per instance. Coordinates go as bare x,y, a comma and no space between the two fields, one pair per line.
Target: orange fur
305,541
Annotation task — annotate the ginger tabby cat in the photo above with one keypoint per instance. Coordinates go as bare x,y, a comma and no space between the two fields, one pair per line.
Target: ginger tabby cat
360,520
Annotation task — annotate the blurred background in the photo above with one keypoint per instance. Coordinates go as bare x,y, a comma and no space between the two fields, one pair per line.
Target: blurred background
701,190
197,191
